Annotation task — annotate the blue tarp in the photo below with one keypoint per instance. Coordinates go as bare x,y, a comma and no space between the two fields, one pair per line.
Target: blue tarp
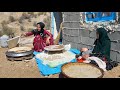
46,70
99,17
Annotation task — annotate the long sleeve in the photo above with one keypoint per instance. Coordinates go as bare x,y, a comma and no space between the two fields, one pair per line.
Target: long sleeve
106,49
47,33
50,35
97,47
29,33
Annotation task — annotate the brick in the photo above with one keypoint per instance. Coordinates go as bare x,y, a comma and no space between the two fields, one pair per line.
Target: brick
80,32
93,34
75,17
65,31
91,41
68,38
85,33
69,32
66,42
75,39
74,45
87,40
71,38
85,46
80,45
75,32
72,24
84,40
67,13
66,24
118,46
89,47
114,36
118,57
71,17
71,13
113,46
79,39
66,18
113,55
65,37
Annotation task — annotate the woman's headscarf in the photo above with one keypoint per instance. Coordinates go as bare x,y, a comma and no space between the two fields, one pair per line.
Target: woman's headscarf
42,25
102,44
102,35
41,32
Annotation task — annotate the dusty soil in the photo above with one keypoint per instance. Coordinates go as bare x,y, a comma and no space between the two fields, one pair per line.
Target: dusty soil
20,69
29,69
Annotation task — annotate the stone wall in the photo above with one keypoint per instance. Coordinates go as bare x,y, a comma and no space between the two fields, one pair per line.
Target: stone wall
79,37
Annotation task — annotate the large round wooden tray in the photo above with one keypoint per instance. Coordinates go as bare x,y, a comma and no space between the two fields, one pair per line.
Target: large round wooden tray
54,48
81,70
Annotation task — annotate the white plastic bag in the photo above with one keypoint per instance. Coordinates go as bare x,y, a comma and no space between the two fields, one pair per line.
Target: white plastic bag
67,47
3,41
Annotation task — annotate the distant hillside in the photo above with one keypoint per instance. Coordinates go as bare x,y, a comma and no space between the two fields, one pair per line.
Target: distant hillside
15,23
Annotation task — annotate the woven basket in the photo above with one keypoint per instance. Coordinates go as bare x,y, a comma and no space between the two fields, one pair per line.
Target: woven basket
72,70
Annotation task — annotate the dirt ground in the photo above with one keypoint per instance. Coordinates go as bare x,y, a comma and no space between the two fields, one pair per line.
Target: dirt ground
29,69
20,69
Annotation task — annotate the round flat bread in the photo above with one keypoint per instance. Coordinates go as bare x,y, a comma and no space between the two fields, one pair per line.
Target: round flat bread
54,48
20,49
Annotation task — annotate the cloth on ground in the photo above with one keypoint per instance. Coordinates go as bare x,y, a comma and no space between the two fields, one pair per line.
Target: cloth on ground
46,70
100,63
55,59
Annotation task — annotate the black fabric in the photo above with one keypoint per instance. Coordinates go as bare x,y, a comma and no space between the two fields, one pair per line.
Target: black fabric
41,32
93,62
110,65
77,55
36,32
102,44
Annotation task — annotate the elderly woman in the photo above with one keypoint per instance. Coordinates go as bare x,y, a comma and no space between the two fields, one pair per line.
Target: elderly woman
102,44
42,37
100,52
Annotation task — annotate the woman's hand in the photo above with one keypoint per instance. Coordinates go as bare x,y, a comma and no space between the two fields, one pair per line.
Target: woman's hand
79,57
23,35
48,41
85,56
86,61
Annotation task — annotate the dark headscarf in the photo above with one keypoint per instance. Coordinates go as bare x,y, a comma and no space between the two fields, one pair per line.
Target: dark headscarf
42,25
102,34
41,32
102,44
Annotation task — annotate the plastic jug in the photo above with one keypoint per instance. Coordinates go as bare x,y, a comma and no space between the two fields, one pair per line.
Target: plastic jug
3,41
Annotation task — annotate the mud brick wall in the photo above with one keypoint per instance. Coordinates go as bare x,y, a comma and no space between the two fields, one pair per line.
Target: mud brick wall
78,37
